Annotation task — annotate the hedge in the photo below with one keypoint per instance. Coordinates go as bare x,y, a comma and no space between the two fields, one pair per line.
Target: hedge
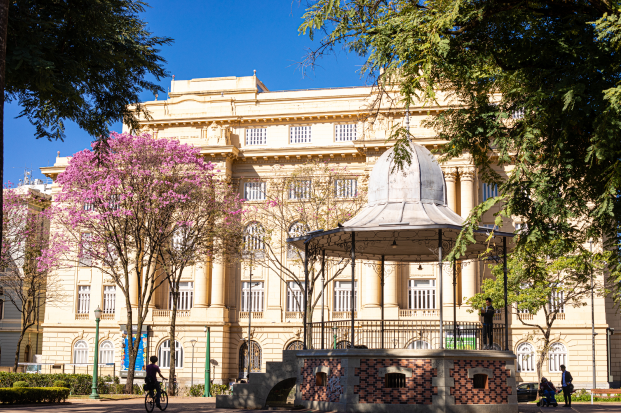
77,383
22,395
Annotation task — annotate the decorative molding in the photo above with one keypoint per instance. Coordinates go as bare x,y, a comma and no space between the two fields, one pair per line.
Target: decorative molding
467,173
383,371
480,370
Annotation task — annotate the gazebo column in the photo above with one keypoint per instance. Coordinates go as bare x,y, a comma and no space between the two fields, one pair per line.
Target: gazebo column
468,271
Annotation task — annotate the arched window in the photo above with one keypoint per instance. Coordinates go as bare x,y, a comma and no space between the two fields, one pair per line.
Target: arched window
295,345
557,356
163,354
419,345
526,357
255,358
27,354
80,352
106,352
254,238
297,229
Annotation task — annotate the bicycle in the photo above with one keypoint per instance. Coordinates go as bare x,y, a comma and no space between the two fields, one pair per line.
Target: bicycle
149,399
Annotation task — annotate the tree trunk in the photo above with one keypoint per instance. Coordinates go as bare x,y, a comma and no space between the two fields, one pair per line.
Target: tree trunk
173,347
4,24
129,383
19,344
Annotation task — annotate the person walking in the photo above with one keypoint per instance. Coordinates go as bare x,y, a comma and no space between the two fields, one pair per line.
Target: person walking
488,324
568,388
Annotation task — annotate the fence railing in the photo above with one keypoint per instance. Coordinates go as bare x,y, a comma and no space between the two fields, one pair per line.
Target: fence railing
401,334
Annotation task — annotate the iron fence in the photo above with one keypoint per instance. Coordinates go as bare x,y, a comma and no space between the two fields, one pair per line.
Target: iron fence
401,334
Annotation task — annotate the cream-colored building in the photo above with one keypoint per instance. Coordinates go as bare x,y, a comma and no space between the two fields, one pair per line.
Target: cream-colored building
246,129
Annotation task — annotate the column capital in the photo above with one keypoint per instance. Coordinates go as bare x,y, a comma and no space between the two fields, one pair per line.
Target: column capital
467,173
450,173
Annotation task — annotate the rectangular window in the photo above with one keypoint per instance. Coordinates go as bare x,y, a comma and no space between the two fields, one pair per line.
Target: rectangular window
257,296
343,133
295,297
300,134
300,190
342,296
84,299
254,191
422,294
557,296
256,136
186,296
109,299
489,191
85,257
346,188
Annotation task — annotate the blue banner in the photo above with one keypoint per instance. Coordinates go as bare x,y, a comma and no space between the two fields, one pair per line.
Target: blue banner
141,359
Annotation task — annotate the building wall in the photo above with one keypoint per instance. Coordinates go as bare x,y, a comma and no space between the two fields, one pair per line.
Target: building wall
214,114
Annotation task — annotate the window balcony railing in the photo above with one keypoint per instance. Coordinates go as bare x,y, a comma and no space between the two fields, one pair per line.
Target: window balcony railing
419,313
255,314
294,315
157,313
525,316
342,315
81,316
108,316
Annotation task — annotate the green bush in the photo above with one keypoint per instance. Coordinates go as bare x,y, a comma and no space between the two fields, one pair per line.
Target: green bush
21,384
22,395
59,383
77,383
199,389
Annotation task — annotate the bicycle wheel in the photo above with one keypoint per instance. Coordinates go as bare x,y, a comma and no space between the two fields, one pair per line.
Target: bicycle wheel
149,402
163,400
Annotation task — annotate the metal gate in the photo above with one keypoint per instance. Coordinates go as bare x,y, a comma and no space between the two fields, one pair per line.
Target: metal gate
255,358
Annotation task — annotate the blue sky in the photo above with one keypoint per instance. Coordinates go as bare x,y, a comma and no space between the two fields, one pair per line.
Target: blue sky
212,38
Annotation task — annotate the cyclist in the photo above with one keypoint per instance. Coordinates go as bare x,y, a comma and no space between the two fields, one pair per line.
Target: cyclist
152,371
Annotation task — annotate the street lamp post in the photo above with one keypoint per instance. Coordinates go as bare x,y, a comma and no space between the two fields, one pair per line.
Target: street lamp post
193,342
94,394
207,392
334,331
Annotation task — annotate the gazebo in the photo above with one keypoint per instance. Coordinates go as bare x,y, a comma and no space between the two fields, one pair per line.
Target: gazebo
406,220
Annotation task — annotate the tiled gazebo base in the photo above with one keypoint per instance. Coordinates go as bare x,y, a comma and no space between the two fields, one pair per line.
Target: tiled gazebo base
435,381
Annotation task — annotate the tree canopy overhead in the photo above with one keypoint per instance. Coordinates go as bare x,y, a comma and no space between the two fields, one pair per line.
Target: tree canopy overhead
537,81
84,61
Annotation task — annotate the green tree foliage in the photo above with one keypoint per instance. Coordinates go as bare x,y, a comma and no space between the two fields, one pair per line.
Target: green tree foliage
536,83
544,282
85,61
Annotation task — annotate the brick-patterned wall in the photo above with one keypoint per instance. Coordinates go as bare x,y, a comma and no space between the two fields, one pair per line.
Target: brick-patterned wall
418,388
330,393
498,392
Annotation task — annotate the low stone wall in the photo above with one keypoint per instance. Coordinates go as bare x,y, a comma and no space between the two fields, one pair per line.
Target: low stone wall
435,381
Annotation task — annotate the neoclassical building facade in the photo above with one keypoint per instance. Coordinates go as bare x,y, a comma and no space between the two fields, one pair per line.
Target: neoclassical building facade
246,129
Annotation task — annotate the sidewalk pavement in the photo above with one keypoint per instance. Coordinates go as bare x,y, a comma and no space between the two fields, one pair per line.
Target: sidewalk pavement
208,405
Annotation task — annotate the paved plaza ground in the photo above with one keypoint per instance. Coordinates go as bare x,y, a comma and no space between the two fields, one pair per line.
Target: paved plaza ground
197,405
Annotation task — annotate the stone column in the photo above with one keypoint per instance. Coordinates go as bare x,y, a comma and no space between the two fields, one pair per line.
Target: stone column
467,176
371,285
450,176
391,299
218,276
133,290
201,277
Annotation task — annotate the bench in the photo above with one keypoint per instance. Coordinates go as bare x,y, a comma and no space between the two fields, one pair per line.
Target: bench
606,392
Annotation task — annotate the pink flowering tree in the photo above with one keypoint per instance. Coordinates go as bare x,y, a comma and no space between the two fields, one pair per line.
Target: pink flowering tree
123,210
297,200
30,257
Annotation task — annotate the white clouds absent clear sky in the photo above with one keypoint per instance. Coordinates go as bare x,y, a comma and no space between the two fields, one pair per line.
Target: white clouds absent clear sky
212,38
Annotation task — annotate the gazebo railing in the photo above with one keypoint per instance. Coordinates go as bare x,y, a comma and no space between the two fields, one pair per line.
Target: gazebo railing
402,334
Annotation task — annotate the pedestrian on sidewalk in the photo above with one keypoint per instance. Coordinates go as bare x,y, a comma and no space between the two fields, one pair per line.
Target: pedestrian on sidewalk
568,388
